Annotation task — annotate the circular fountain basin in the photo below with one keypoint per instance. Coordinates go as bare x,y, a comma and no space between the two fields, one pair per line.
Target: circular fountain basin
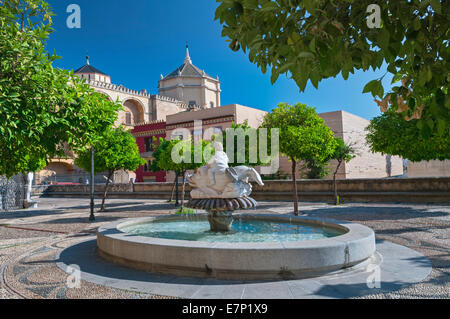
258,247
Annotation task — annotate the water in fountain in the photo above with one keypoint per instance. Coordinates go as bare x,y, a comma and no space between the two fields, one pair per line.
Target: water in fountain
241,231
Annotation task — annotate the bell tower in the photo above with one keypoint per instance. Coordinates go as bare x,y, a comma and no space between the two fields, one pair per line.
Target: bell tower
191,85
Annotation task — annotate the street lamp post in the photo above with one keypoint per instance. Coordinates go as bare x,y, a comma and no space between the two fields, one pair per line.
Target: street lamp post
176,190
91,216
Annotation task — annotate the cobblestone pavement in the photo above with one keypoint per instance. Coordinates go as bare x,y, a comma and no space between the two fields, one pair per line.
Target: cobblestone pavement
31,239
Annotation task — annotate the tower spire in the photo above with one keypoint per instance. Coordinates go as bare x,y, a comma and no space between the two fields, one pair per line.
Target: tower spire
188,58
87,58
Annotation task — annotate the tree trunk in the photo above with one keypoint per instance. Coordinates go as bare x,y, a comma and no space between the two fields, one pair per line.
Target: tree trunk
176,189
294,181
102,208
173,190
182,193
334,183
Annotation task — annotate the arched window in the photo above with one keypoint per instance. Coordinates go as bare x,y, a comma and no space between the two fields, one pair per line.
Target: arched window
128,118
136,111
211,104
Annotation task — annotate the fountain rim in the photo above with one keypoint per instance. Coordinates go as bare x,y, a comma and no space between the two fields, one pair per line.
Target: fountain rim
352,232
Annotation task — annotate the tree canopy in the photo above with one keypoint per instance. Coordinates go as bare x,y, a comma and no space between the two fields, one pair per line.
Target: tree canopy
343,152
316,169
391,134
164,161
116,149
180,156
303,136
314,40
43,110
161,147
245,147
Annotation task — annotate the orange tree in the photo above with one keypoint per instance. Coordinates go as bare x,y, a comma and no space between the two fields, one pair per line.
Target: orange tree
303,136
391,134
42,109
342,153
179,156
116,149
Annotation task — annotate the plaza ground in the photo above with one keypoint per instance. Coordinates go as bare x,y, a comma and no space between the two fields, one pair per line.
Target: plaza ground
31,240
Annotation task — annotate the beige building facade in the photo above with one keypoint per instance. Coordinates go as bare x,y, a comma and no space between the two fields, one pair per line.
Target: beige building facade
218,119
351,129
191,85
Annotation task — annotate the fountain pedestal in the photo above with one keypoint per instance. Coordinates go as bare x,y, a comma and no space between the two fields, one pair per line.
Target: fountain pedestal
220,210
220,221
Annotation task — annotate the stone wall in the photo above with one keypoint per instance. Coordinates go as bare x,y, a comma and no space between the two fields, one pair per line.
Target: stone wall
351,128
366,164
429,169
419,190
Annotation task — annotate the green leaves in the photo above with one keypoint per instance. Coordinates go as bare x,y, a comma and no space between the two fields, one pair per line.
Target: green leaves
241,153
303,134
436,5
415,140
312,45
375,87
163,160
343,152
269,6
115,149
309,5
315,40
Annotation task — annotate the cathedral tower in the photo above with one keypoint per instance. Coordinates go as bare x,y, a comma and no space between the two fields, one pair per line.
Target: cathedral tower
191,85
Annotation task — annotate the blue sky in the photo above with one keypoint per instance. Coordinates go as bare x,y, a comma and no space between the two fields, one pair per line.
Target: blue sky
135,41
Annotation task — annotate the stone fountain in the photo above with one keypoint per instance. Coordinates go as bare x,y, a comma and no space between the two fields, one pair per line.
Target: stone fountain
145,243
221,190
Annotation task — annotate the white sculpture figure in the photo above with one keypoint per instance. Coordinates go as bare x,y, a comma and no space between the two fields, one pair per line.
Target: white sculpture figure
217,180
218,163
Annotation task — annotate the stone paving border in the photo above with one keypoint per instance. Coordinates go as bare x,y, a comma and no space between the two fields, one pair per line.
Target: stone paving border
399,267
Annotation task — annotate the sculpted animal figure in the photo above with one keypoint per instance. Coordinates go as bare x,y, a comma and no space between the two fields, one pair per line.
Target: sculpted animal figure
245,174
232,183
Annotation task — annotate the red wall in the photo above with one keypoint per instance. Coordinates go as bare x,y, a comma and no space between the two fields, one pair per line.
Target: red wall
140,173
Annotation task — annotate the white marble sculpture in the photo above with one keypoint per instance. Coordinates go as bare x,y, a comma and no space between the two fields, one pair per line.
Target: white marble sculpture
217,180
